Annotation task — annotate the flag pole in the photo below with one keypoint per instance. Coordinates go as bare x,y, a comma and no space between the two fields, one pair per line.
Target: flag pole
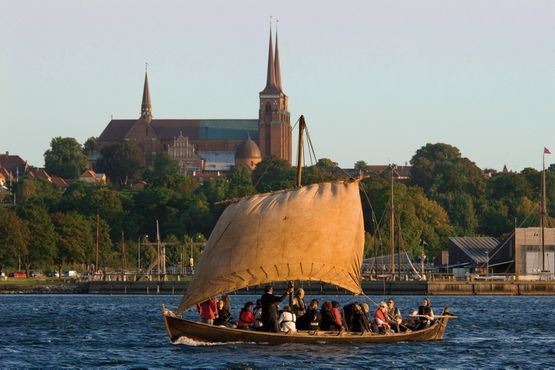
543,208
542,221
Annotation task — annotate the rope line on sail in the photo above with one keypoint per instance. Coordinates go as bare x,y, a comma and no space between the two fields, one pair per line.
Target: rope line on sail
374,220
401,242
370,299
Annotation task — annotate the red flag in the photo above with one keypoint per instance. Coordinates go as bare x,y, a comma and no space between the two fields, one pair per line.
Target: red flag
546,151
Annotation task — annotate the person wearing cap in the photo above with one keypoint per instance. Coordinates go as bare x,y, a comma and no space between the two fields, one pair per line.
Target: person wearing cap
380,318
270,310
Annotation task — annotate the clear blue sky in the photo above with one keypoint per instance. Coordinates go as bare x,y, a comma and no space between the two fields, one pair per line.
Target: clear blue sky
376,80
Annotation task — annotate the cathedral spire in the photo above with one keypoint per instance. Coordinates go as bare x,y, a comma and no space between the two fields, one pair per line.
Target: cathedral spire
146,107
271,87
277,71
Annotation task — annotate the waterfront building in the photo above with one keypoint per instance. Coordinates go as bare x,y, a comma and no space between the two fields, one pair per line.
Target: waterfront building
521,253
199,145
469,253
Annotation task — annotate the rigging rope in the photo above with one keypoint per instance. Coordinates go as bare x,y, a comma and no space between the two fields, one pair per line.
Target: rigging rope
499,248
375,222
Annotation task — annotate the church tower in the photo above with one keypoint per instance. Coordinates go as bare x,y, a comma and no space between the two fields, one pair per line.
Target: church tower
146,106
142,133
274,127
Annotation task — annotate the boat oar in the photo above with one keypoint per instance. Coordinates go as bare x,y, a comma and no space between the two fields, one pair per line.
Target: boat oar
436,316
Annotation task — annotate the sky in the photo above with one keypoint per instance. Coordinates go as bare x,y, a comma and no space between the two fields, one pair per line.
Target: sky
376,80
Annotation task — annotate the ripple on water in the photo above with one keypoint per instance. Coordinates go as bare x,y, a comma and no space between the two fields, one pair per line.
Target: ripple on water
127,331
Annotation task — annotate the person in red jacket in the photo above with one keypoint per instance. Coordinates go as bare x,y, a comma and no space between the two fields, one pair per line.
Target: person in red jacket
336,314
380,318
246,317
208,311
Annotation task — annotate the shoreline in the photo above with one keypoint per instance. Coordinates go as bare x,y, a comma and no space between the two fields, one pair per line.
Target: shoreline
398,288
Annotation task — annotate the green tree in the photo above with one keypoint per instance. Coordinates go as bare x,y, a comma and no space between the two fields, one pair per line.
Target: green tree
14,238
494,221
65,158
317,174
240,182
90,146
427,160
361,166
326,163
123,163
75,244
417,217
273,174
164,172
508,186
107,256
87,199
42,237
31,190
462,215
533,178
199,217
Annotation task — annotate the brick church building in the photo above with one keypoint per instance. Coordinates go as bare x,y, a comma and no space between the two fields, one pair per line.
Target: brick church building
213,144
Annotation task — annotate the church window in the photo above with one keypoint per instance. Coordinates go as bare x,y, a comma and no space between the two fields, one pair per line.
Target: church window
268,107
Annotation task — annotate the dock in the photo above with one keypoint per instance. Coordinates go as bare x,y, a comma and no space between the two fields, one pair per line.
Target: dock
370,287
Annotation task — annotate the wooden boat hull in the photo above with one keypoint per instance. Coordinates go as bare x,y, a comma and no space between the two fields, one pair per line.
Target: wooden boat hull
178,327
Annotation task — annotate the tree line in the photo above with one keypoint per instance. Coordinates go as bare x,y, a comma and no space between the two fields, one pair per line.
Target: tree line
49,228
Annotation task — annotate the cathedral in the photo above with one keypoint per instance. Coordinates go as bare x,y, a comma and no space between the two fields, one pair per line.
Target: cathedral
212,145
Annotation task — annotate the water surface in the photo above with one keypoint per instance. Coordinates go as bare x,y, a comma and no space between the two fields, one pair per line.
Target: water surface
128,331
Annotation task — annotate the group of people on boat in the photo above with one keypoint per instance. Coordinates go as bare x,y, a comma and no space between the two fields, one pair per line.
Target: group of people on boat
216,311
354,317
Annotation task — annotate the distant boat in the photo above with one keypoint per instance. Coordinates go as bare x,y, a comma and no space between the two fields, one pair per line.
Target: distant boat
310,233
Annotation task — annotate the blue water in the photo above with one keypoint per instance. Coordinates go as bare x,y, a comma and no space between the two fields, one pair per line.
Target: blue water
127,331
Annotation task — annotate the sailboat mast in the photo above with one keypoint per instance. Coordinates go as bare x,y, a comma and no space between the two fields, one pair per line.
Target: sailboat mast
158,252
97,239
392,228
300,152
543,213
399,248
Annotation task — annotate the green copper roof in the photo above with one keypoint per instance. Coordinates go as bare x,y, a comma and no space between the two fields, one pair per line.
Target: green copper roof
230,129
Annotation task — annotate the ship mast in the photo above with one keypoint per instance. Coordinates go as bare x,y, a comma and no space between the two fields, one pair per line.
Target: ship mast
392,227
543,209
97,241
302,126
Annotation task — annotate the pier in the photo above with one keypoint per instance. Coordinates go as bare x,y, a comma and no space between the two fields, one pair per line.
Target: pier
374,287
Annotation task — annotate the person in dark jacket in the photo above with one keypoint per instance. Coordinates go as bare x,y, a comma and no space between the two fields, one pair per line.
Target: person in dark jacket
356,317
349,311
328,321
258,315
270,309
224,316
311,319
359,320
297,303
424,315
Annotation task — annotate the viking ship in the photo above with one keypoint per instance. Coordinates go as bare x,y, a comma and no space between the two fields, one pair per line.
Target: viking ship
310,233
